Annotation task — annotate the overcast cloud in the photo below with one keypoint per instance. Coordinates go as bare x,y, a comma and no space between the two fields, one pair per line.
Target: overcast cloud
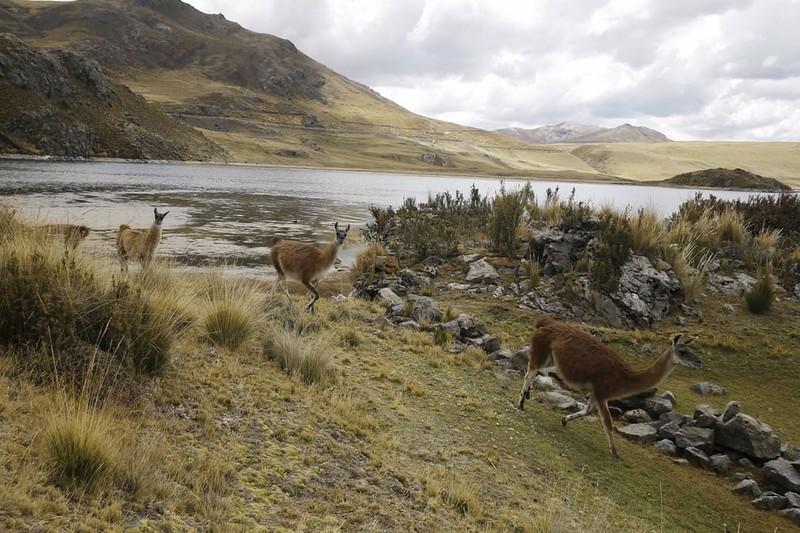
692,69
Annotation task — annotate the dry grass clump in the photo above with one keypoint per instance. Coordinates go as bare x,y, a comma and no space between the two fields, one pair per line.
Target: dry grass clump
234,310
79,446
299,354
455,491
648,232
731,227
367,259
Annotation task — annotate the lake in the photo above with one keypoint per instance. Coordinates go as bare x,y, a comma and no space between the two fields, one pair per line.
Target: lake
229,213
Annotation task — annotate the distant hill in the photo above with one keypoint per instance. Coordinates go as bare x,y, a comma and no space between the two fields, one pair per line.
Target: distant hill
570,132
725,178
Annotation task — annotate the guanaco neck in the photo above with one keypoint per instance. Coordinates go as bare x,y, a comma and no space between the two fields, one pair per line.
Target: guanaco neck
328,257
642,379
154,235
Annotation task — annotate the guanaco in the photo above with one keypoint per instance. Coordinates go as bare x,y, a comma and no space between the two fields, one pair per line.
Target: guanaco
587,365
73,234
305,262
139,244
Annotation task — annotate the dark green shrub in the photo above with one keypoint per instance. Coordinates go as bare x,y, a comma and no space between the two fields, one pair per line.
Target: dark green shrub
613,248
42,297
759,298
508,213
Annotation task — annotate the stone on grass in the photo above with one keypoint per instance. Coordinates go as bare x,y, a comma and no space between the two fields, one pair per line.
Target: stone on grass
666,447
746,434
706,388
781,472
749,488
639,432
769,501
695,437
697,457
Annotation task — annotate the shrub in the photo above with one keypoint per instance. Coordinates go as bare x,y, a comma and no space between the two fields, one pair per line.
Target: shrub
366,261
731,226
508,213
612,251
759,298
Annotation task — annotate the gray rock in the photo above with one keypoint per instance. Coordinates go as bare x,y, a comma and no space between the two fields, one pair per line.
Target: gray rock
732,409
737,285
390,296
410,324
491,343
414,281
781,472
666,447
636,416
657,406
482,272
704,388
502,354
426,309
721,463
639,432
792,514
541,382
792,499
744,462
669,430
469,258
679,418
695,437
728,308
668,395
696,456
705,416
749,488
644,292
746,434
520,359
562,401
769,501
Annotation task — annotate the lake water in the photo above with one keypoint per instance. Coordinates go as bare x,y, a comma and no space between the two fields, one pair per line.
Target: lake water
229,214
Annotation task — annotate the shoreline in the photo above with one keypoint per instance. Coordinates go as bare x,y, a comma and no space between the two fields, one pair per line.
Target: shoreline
613,180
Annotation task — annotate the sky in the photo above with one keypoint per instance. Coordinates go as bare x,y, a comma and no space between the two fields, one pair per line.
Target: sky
710,70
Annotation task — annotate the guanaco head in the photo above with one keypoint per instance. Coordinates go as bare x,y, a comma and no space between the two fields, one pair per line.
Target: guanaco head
159,216
682,354
340,233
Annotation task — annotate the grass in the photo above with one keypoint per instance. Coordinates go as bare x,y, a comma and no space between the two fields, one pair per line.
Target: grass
401,435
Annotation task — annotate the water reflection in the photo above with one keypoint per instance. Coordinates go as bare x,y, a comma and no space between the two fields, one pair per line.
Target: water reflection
229,214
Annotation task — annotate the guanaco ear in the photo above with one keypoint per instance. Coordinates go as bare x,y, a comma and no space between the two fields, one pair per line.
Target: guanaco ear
676,339
691,340
348,228
336,226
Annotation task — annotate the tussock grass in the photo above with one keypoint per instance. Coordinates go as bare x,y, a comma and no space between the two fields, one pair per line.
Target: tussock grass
648,232
458,492
366,260
79,446
760,297
300,355
233,312
731,227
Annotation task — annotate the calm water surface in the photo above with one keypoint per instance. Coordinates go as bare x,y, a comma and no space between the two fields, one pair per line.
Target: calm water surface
229,214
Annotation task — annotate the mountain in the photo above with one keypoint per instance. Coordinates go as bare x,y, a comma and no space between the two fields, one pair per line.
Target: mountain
569,132
258,97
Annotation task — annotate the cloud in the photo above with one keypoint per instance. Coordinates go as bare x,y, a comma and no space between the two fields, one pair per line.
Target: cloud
711,70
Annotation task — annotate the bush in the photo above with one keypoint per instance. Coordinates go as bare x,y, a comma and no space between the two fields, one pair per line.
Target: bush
508,213
613,248
759,298
228,324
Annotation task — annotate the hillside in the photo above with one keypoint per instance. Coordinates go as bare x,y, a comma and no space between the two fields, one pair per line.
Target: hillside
724,178
257,99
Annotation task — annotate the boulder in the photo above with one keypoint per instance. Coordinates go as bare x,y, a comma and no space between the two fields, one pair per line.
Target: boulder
390,296
704,388
639,432
697,457
644,293
746,434
748,487
562,401
695,437
636,416
732,409
769,501
792,514
705,416
520,359
792,499
426,309
781,472
721,463
666,447
482,272
656,406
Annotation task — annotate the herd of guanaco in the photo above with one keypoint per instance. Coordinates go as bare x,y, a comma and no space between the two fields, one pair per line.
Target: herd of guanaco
583,362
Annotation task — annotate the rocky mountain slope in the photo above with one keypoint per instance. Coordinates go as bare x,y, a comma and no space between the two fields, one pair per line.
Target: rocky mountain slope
570,132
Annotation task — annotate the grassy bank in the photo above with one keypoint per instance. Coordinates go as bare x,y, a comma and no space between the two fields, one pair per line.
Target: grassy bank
226,408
